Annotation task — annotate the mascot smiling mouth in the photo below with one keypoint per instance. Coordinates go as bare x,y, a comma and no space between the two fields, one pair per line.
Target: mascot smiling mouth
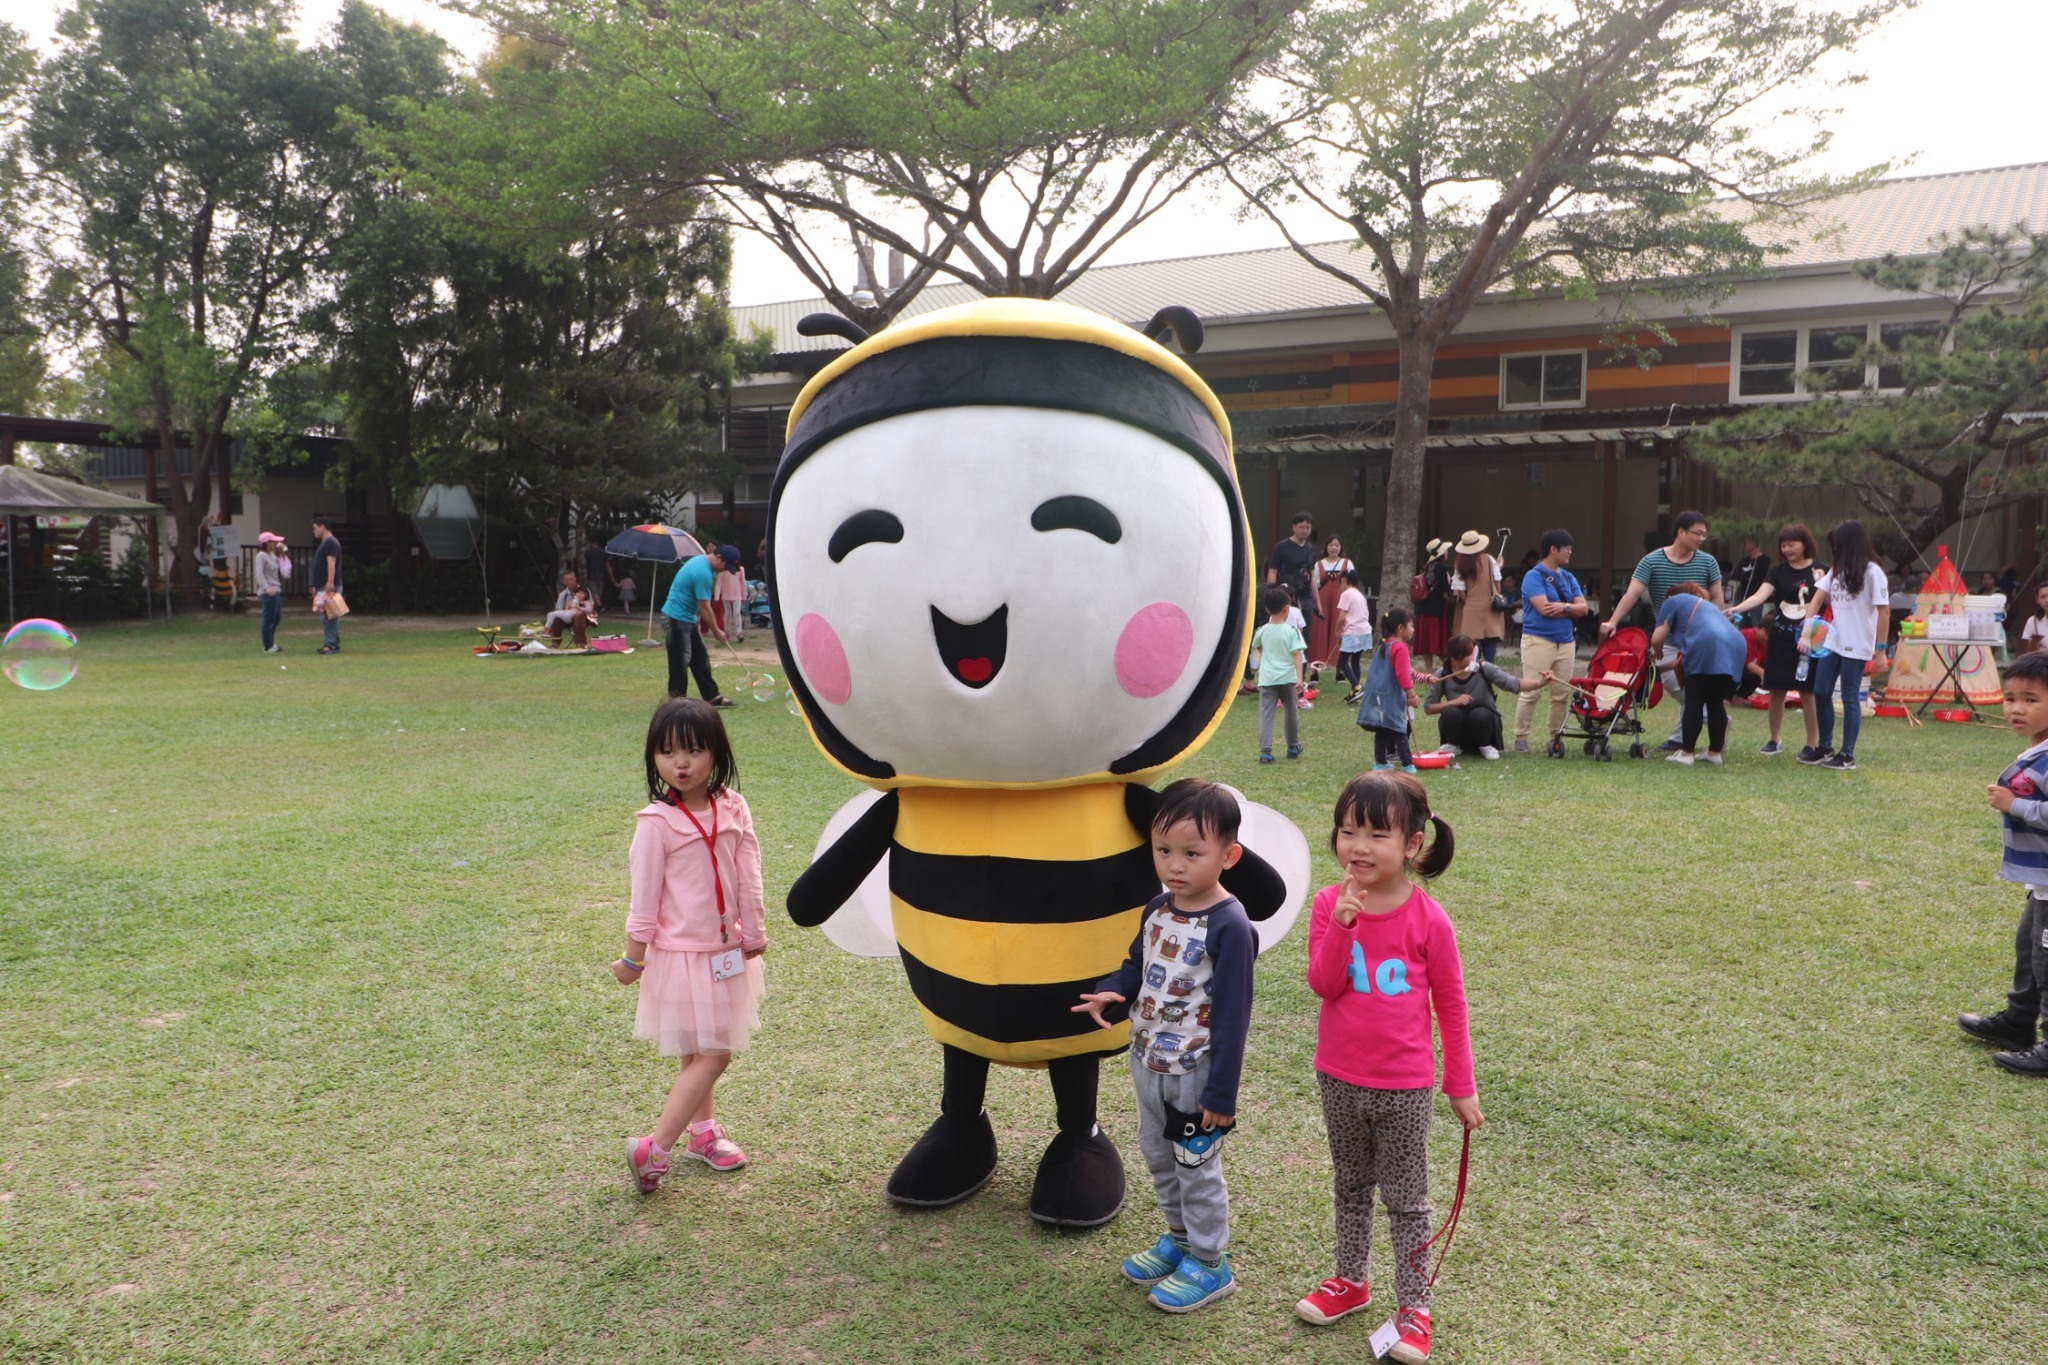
973,654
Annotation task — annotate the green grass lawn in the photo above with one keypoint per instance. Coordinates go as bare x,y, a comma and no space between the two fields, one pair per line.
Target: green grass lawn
308,1051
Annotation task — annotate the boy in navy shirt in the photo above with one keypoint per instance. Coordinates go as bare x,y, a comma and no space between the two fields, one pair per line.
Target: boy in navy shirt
2020,795
1187,989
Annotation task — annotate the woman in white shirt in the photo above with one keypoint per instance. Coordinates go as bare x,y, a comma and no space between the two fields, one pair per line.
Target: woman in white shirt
2034,634
1857,590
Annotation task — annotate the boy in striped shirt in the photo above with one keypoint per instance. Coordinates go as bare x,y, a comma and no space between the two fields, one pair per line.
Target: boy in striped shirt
2020,795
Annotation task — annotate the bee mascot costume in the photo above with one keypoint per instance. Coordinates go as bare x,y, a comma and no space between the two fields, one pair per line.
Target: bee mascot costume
1011,581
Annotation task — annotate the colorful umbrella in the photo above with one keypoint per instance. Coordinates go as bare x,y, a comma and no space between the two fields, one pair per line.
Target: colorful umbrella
656,544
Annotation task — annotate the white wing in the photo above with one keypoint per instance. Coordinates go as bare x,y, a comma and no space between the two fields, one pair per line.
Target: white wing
1280,842
863,926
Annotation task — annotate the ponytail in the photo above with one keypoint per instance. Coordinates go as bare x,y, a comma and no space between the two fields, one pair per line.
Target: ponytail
1436,858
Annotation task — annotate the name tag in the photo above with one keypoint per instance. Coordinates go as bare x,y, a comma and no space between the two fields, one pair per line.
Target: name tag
1382,1339
731,962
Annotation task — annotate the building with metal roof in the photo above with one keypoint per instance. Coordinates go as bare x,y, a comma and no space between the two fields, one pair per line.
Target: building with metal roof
1537,418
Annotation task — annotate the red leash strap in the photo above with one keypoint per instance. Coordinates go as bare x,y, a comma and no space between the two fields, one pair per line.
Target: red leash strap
1449,1230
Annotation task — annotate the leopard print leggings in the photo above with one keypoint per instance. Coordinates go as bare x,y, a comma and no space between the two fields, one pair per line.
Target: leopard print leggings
1381,1137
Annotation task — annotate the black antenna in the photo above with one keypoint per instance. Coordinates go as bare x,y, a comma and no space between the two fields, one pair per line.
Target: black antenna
1182,322
832,325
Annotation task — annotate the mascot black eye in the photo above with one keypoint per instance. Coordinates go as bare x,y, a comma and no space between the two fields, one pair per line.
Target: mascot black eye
1075,513
864,528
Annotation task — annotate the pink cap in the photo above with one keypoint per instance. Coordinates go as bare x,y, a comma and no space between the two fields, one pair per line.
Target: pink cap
270,538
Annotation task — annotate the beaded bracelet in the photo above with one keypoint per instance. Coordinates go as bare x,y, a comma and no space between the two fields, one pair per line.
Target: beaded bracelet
636,966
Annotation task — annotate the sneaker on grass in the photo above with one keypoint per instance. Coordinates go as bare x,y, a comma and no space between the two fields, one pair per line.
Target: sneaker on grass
1711,757
1413,1347
647,1161
1193,1284
1839,763
1811,755
1156,1262
1521,746
1771,746
710,1145
1335,1298
1489,753
1680,756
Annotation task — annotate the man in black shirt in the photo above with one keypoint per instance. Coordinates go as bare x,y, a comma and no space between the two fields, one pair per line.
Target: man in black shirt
326,581
1750,571
1290,562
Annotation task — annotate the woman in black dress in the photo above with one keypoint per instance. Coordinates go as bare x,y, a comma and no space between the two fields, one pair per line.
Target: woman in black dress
1790,584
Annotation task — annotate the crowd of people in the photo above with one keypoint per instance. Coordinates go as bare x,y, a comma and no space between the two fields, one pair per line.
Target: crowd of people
1789,627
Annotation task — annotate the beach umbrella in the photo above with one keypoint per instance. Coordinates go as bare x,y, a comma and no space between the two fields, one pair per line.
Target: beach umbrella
654,543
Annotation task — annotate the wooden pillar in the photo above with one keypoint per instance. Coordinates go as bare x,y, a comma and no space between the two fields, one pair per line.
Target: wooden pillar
1610,482
153,525
6,447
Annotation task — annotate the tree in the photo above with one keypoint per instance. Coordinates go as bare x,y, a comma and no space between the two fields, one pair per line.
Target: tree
189,154
1598,149
22,363
1006,144
1959,436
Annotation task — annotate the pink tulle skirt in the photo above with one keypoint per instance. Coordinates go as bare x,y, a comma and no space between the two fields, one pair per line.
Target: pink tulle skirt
684,1012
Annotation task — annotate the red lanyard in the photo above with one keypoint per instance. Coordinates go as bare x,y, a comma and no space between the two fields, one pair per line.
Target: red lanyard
711,850
1449,1230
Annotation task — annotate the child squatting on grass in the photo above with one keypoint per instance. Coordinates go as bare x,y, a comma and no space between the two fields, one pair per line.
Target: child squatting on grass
1190,973
2020,796
1382,955
695,931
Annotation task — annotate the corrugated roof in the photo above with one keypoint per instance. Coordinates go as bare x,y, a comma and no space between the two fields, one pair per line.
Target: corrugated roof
1891,216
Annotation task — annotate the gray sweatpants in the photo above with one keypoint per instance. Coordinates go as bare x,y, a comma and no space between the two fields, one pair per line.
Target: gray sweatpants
1281,698
1190,1197
1381,1137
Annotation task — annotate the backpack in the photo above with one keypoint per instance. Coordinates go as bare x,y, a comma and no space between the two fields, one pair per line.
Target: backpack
1418,587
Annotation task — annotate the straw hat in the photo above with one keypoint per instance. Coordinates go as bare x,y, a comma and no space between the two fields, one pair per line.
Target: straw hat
1434,545
1472,543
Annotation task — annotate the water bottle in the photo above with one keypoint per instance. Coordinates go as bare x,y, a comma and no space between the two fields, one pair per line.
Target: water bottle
1805,666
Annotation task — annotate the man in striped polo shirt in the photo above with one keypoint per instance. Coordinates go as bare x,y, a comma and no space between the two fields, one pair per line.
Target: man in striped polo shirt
1682,561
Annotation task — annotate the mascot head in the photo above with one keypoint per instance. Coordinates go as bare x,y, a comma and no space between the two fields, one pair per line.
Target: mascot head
1007,549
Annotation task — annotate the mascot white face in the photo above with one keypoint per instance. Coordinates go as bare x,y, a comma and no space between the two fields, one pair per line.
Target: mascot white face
1010,593
1002,594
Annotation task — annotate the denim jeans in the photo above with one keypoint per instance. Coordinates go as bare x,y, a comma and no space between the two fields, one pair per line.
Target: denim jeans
1850,672
687,658
273,612
330,631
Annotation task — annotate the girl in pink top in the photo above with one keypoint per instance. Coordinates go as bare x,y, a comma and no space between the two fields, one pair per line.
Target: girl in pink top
1383,957
695,932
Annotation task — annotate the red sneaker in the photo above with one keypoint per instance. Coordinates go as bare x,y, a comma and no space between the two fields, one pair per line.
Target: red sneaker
1413,1347
1335,1298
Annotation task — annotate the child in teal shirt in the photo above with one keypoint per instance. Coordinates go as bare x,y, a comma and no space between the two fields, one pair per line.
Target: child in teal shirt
1281,653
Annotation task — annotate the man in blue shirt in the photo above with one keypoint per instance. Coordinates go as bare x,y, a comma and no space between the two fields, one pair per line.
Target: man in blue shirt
685,612
1552,601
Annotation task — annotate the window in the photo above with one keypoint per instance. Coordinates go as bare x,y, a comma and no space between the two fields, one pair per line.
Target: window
1555,379
1892,335
1767,362
1831,355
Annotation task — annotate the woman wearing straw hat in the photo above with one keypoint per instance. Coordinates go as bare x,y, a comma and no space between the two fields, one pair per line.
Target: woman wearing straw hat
1480,575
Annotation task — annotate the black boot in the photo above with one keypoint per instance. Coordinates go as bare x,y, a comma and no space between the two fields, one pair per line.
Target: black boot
2032,1062
1080,1180
2008,1028
957,1154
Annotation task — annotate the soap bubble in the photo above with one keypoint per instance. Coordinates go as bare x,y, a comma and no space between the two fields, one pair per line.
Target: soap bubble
789,704
764,687
39,655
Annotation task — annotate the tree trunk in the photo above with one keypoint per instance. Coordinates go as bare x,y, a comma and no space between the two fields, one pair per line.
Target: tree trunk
1404,475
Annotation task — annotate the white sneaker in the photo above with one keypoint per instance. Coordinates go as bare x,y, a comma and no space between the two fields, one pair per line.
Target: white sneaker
1680,756
1712,758
1488,752
1453,750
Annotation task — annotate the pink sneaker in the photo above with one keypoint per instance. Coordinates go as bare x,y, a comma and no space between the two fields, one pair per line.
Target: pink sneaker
710,1145
648,1162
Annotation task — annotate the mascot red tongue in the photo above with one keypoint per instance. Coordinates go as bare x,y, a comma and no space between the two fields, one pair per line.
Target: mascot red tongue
1011,580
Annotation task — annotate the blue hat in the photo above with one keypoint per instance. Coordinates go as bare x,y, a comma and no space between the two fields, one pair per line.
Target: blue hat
730,554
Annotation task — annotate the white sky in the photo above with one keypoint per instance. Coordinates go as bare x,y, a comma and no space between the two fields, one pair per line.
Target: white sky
1943,93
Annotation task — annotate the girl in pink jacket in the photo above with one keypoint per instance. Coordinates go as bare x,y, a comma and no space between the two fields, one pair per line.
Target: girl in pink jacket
695,932
1383,957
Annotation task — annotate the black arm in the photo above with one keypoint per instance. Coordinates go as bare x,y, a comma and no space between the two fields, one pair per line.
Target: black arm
826,884
1258,887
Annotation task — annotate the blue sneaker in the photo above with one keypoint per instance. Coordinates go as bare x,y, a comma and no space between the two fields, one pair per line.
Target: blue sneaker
1410,769
1192,1284
1383,767
1156,1262
1265,755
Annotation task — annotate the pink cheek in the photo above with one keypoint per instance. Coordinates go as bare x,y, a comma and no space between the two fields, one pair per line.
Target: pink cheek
1153,651
823,659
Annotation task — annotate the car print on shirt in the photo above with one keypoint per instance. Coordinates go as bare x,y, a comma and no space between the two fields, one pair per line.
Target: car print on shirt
1155,975
1194,952
1180,985
1167,1042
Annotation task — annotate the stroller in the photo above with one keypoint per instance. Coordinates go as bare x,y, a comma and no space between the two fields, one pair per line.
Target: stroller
1620,684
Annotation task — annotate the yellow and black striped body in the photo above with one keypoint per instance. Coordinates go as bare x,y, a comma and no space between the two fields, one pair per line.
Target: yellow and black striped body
1008,905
